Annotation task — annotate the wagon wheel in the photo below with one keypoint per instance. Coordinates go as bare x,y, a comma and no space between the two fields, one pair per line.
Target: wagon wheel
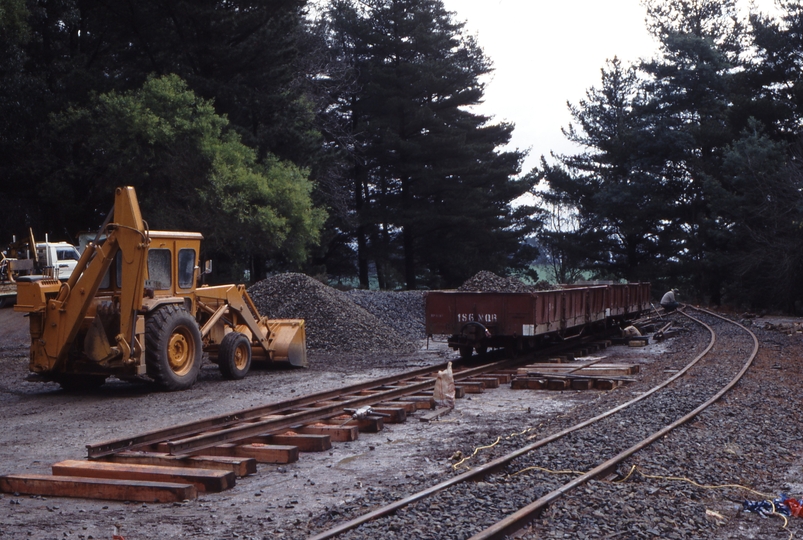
234,356
466,351
481,349
173,349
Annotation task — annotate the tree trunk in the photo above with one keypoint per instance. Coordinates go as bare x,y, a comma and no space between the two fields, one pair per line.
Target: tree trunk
409,259
362,236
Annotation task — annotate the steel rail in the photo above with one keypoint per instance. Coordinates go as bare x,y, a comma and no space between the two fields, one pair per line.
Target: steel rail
384,392
516,521
183,431
497,464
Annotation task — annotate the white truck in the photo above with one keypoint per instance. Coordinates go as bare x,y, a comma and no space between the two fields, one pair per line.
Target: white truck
56,259
61,257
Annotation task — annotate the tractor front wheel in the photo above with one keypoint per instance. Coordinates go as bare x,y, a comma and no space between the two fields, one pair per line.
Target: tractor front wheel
173,348
234,356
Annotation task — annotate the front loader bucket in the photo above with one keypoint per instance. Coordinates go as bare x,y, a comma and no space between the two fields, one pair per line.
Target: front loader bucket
288,341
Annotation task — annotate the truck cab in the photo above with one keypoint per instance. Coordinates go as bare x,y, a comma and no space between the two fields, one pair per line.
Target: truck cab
61,257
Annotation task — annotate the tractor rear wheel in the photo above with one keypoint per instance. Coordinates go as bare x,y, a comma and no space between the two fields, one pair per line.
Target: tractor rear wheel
234,356
173,349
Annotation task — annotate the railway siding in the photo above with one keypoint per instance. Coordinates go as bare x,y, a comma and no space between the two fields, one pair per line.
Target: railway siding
539,474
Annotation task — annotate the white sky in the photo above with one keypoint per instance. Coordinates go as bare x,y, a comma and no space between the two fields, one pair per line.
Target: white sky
546,52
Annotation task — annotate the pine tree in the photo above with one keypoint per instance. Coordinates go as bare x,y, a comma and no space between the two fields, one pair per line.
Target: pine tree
432,189
246,57
621,203
691,95
761,203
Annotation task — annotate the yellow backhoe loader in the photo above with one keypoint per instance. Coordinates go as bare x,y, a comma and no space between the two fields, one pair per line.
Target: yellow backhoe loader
132,307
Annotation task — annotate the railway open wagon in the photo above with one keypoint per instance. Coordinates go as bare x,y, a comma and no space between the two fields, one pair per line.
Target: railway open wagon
477,321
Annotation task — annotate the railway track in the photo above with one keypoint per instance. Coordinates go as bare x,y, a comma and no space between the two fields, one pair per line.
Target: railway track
504,497
209,454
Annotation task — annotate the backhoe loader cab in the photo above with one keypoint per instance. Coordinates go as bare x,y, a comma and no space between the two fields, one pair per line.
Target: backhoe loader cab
133,307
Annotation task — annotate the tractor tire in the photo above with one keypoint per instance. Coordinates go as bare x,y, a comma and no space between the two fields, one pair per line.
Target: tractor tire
173,348
76,382
234,356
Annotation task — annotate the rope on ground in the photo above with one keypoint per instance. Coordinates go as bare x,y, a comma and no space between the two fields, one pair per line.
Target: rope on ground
476,451
635,469
768,498
498,440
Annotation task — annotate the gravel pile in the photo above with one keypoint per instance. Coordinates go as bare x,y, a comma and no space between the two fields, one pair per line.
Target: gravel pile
334,323
403,311
490,282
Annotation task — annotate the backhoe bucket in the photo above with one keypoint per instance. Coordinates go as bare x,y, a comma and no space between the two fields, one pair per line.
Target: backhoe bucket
288,341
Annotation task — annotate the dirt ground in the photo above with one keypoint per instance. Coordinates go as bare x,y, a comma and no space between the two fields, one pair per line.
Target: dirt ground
43,425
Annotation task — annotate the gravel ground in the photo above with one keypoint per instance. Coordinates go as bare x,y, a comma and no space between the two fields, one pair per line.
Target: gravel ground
750,437
714,450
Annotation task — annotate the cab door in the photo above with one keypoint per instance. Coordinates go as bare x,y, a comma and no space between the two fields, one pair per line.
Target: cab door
66,260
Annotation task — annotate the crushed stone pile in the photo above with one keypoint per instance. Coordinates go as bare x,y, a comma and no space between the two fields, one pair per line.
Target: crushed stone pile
489,282
403,310
334,323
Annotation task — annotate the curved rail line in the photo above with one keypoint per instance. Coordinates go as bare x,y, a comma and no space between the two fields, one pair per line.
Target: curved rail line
525,515
200,435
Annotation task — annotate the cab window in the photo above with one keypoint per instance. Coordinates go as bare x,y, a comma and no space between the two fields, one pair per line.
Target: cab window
159,269
186,267
67,254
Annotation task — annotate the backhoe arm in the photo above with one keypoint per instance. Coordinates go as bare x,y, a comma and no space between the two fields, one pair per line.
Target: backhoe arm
57,310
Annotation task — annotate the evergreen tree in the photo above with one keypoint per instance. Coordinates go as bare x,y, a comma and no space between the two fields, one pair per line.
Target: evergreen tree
621,204
190,172
247,58
691,95
761,202
432,191
775,73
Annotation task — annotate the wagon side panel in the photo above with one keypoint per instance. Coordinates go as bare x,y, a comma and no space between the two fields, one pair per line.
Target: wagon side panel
575,307
518,315
597,308
440,314
547,311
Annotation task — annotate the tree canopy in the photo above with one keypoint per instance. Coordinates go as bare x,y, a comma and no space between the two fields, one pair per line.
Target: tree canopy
190,172
349,145
199,105
689,171
432,189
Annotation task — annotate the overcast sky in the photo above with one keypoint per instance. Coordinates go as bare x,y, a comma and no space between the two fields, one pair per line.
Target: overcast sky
545,53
